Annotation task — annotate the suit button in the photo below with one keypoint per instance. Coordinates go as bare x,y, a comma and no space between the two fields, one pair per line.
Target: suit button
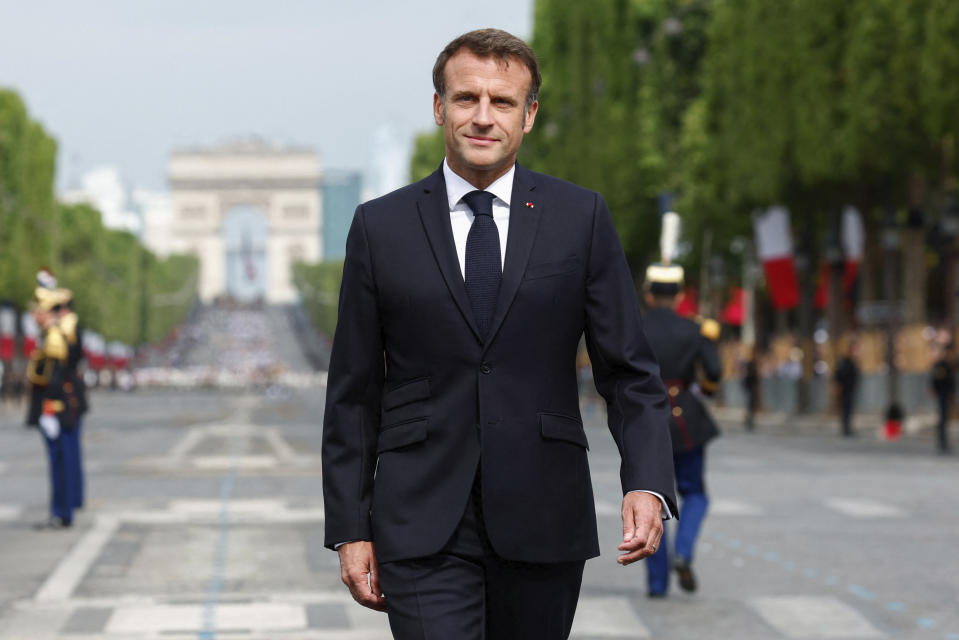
485,368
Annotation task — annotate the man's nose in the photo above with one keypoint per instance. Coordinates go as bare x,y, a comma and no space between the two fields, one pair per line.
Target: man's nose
483,115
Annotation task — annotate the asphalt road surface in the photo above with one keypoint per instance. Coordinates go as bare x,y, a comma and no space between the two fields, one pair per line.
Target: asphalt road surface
205,520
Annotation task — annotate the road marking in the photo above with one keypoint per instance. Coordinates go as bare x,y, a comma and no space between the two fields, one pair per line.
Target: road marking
10,512
165,619
60,584
607,617
608,509
864,508
241,463
722,507
280,446
814,617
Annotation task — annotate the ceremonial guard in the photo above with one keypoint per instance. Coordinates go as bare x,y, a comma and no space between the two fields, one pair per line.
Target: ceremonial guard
690,367
943,384
54,405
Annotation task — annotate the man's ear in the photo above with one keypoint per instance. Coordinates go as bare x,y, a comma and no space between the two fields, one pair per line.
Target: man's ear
530,116
438,109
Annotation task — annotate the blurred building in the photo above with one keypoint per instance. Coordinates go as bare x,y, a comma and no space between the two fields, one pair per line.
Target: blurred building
341,196
103,189
248,210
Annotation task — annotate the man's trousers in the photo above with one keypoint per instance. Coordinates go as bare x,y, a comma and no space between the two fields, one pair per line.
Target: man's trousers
467,592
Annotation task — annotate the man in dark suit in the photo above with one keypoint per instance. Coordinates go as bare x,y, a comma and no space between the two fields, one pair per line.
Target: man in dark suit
455,476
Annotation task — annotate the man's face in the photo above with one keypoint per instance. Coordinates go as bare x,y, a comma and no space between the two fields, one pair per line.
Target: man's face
483,115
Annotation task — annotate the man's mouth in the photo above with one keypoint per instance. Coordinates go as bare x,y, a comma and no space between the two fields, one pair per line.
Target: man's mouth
481,140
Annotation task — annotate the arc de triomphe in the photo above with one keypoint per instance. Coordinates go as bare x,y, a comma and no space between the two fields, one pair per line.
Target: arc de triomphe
249,211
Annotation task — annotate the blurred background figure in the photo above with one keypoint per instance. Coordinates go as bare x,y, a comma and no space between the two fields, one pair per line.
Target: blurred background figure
750,383
683,348
53,403
943,383
847,380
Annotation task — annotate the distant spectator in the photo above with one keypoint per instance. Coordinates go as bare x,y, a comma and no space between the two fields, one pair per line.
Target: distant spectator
847,380
751,388
943,382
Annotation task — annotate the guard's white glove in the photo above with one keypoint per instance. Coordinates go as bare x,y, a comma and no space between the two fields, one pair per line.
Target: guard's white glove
50,426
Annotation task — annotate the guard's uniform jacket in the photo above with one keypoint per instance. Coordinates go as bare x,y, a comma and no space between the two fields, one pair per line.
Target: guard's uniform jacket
73,332
687,355
51,387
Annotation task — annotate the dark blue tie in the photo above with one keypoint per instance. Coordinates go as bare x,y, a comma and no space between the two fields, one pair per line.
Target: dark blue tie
483,263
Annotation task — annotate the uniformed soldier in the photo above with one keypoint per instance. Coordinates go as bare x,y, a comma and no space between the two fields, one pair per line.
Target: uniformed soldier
53,403
72,330
690,367
943,384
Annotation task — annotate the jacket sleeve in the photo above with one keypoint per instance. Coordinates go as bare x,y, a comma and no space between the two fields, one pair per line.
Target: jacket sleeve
624,367
354,387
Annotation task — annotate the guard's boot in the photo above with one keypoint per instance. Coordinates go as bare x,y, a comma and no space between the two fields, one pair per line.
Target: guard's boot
687,579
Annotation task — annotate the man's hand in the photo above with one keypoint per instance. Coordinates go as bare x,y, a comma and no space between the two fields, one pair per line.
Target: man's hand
642,526
359,572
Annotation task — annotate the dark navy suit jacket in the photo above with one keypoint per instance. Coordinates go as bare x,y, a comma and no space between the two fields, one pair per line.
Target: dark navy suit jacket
416,400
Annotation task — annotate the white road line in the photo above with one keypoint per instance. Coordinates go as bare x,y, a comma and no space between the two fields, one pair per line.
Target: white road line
604,508
864,508
189,617
60,584
723,507
280,446
10,512
187,443
814,617
607,617
240,463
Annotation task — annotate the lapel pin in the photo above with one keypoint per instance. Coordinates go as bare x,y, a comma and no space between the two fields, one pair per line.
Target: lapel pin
529,204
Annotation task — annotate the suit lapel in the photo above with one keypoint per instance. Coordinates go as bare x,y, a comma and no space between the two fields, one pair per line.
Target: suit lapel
434,210
523,223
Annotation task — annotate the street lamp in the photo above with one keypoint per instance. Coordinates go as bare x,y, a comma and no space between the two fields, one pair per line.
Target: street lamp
890,247
949,227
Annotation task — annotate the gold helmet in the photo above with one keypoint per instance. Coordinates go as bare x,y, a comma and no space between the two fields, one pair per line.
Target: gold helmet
46,299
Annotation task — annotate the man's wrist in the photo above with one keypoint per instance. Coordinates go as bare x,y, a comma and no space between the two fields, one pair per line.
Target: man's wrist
664,508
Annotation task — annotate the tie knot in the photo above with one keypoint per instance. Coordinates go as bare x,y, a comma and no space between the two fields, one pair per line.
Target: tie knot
481,202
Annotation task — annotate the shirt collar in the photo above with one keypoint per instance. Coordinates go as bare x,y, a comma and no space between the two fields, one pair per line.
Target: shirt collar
457,186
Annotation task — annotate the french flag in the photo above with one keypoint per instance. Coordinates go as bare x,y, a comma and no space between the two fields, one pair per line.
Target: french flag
853,238
774,247
8,332
31,332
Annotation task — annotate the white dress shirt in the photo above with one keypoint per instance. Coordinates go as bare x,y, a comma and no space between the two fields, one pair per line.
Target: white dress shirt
461,218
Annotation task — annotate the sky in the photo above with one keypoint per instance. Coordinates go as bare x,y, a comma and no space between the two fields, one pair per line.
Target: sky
124,82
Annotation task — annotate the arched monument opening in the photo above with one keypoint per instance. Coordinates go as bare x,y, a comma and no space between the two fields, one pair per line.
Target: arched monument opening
245,231
249,211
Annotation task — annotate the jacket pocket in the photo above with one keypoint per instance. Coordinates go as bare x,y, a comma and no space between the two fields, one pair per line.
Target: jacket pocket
554,426
555,268
406,393
401,435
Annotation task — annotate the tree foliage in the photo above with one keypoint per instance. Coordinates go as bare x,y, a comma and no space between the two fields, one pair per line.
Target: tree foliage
319,287
121,290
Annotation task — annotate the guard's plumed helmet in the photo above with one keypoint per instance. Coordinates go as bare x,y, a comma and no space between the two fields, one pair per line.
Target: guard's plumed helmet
49,299
664,278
